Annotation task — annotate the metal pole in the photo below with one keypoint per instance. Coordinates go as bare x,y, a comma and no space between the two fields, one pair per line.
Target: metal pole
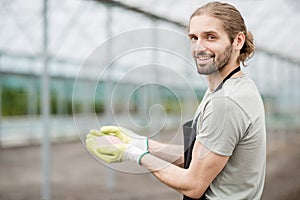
109,83
155,93
297,95
0,113
110,174
46,190
0,105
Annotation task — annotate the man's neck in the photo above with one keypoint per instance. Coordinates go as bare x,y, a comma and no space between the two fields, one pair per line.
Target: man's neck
215,79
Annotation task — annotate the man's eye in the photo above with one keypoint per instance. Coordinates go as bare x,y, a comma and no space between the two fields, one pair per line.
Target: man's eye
193,38
211,37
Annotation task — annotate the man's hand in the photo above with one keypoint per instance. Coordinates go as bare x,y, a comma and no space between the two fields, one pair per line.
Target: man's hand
123,134
112,149
108,148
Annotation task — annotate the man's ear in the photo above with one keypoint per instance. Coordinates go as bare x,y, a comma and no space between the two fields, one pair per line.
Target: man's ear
239,41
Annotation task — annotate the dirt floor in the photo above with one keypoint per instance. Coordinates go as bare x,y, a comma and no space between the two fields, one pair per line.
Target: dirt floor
76,175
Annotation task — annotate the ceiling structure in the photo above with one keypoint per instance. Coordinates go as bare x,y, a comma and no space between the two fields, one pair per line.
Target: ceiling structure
274,24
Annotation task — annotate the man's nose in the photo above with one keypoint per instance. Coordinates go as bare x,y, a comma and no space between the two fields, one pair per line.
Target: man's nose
199,46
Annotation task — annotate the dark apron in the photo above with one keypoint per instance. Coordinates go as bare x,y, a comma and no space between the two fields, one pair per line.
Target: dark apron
189,135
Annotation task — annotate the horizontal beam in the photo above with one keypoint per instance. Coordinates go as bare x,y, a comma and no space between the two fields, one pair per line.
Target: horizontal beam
140,11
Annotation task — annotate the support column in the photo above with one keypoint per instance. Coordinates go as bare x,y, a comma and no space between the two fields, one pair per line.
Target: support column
0,112
45,105
154,89
108,85
0,104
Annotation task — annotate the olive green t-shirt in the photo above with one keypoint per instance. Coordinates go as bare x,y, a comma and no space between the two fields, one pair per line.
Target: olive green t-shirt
232,123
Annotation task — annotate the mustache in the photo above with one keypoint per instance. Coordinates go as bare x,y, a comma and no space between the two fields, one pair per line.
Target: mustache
202,53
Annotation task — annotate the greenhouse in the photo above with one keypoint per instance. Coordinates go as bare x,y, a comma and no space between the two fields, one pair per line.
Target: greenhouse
70,66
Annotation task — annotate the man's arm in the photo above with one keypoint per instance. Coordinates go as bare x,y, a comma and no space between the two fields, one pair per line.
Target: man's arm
168,152
193,181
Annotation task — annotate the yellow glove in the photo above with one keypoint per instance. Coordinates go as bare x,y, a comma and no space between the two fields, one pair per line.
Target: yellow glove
111,149
107,148
123,134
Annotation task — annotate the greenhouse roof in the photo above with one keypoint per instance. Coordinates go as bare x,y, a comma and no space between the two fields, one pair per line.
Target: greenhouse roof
77,27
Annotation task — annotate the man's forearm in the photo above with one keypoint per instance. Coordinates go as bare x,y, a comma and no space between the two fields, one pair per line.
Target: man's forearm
193,181
175,177
167,152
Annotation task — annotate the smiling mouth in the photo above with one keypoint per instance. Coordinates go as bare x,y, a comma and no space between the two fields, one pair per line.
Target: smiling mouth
202,60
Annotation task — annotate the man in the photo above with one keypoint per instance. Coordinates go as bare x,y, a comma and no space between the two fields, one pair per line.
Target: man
225,144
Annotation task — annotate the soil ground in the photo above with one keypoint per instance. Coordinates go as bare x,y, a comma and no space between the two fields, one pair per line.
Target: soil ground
76,175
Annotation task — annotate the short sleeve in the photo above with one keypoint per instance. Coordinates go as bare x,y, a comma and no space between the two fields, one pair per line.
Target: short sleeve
222,125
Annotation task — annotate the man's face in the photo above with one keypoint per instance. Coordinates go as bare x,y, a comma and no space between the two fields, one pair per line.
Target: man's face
210,44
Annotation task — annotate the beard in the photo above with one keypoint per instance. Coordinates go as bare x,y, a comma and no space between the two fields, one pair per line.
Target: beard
214,64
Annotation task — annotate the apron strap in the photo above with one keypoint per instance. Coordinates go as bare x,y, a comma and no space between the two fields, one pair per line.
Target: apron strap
236,70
